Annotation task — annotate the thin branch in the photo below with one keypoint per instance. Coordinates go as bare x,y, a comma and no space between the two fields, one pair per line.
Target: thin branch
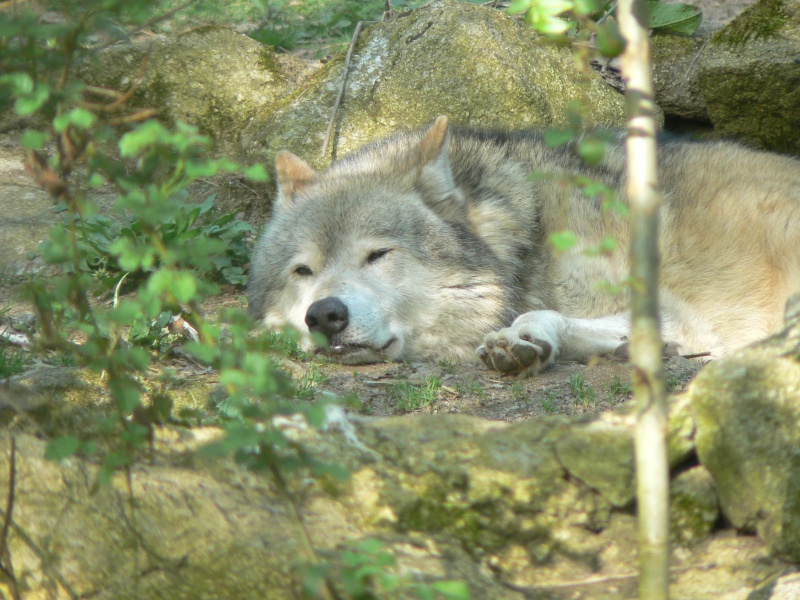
341,88
696,56
555,585
119,98
6,568
305,536
646,347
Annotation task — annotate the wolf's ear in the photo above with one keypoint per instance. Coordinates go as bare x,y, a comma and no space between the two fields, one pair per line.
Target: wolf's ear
294,174
436,179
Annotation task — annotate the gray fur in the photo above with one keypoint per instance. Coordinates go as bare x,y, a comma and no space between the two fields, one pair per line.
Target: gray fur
466,229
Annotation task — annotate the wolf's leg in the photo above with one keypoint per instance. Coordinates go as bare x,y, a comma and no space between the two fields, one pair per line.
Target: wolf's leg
536,339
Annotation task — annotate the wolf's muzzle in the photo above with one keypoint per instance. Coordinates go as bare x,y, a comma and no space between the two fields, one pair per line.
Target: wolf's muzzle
328,316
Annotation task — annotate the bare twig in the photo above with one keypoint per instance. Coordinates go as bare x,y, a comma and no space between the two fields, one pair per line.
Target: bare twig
696,56
554,585
6,568
329,592
697,355
120,98
341,88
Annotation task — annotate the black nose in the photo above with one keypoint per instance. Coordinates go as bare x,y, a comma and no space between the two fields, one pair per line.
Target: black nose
327,316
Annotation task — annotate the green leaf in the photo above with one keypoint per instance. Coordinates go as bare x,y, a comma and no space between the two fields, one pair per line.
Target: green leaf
674,18
184,287
126,395
518,6
237,436
592,149
554,7
609,40
547,24
80,118
140,139
609,244
34,140
586,7
198,169
559,137
27,105
457,590
337,471
256,173
563,240
125,312
21,83
61,447
201,352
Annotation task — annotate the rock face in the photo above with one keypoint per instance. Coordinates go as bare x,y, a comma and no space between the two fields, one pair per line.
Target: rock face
473,63
743,78
750,77
747,410
542,505
211,77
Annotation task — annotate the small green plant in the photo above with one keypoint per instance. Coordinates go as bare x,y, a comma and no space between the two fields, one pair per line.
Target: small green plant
673,383
306,387
12,361
446,365
318,25
410,396
477,389
583,392
517,391
549,403
618,390
370,571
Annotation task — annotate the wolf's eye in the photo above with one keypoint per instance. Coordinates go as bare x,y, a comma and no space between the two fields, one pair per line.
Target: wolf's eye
303,271
376,255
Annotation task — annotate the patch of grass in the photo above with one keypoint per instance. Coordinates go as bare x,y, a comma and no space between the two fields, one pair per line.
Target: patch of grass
410,396
12,362
618,390
62,359
306,387
549,403
446,365
583,392
478,390
287,343
517,391
673,382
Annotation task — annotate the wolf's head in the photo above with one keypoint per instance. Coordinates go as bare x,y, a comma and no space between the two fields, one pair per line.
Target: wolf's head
378,254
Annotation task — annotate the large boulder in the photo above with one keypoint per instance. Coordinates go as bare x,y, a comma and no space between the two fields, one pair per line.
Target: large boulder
211,77
747,412
743,78
473,63
750,76
446,497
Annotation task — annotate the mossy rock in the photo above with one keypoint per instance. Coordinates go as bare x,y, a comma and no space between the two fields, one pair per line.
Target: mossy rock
474,64
750,76
747,412
694,509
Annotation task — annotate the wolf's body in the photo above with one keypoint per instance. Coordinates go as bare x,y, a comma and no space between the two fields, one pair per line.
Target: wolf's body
428,244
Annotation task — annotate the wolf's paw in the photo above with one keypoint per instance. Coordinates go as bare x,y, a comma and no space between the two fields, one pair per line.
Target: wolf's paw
525,348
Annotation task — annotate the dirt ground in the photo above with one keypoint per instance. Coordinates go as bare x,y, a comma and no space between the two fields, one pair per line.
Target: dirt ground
565,389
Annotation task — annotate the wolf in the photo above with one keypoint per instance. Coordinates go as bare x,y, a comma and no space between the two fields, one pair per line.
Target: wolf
435,244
